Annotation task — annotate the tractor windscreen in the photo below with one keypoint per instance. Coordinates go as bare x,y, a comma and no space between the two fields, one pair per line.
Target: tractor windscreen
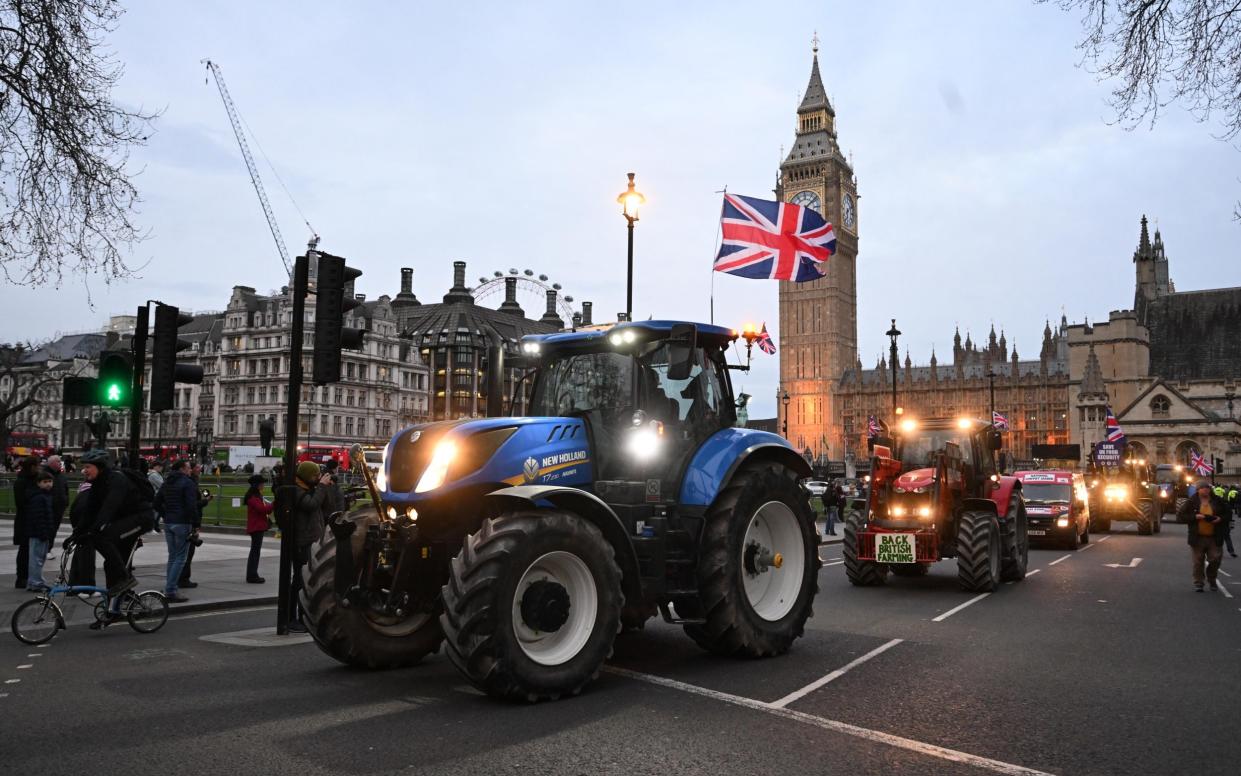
582,383
918,447
1167,476
1047,492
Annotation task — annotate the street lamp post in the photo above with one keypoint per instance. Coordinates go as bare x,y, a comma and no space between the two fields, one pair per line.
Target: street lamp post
784,401
991,382
630,200
893,333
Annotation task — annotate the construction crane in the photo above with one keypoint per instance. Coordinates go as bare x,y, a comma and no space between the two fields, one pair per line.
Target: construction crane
253,168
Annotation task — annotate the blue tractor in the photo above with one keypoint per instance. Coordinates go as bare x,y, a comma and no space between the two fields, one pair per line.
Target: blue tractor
523,545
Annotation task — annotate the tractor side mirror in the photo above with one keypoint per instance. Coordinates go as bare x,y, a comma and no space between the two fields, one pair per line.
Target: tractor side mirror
994,440
681,346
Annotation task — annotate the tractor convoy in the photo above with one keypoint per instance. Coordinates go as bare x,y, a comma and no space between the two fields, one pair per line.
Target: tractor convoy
524,545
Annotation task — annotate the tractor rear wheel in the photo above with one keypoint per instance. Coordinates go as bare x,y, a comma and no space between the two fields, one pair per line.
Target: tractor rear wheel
1016,542
758,566
862,573
910,569
1146,523
355,635
978,552
1157,517
532,605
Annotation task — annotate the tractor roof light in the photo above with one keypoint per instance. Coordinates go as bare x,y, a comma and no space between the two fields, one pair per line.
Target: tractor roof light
965,423
622,337
909,425
531,348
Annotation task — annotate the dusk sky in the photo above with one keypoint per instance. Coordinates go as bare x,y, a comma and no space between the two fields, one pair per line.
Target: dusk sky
994,185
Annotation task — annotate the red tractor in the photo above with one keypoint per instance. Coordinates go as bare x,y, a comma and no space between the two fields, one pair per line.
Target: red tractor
934,494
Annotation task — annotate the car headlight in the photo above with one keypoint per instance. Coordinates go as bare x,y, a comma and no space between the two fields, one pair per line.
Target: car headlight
898,511
437,470
1063,522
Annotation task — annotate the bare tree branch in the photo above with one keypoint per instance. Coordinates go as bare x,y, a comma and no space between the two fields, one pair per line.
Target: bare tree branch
66,199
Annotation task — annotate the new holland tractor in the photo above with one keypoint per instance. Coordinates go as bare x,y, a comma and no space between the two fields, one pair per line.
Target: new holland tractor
935,493
523,545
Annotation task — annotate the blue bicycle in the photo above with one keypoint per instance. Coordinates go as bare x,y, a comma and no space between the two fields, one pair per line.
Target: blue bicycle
39,620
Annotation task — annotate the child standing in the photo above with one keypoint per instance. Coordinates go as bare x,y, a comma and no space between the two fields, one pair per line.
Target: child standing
41,529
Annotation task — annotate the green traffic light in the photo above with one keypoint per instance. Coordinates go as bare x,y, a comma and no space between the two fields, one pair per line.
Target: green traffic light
114,392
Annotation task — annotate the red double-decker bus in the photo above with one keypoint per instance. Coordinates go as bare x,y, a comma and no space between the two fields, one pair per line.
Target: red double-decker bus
23,443
323,453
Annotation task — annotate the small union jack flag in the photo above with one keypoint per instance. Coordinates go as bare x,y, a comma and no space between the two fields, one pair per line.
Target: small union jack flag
774,240
765,342
999,421
872,427
1114,432
1199,464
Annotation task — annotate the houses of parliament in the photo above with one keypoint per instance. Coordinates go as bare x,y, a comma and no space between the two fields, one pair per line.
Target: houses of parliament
1168,368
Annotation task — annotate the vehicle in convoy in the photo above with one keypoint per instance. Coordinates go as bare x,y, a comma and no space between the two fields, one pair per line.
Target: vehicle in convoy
1124,493
935,493
524,544
321,454
1173,487
1057,507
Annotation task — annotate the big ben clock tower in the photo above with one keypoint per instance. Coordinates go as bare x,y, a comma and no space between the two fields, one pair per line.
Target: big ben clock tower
818,318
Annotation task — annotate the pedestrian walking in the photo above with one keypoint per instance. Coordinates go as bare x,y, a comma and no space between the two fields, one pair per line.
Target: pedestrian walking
177,502
202,499
308,506
1231,498
60,491
41,528
1205,513
258,520
23,484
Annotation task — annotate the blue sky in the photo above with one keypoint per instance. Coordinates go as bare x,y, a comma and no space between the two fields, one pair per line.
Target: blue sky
993,185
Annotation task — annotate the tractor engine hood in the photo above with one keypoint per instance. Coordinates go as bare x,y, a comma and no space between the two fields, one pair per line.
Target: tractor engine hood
426,461
914,481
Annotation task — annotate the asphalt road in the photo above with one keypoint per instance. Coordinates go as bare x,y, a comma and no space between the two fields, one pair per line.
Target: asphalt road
1097,663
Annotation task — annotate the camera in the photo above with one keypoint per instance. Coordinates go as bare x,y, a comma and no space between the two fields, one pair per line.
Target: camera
195,539
204,493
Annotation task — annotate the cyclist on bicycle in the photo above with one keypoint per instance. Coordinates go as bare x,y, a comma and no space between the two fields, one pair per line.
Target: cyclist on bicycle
116,514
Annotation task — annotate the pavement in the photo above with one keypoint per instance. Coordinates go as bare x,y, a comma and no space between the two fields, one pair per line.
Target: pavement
219,568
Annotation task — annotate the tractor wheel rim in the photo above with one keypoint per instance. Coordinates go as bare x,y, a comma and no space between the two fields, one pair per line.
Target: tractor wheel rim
773,592
562,645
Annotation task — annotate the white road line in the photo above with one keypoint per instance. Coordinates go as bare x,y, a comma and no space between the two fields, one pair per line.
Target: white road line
1105,538
1225,573
35,654
28,665
1032,572
956,609
839,672
11,681
833,563
1223,589
1057,560
1088,546
919,747
217,613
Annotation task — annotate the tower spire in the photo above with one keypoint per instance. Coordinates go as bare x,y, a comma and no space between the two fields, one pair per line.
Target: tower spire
815,98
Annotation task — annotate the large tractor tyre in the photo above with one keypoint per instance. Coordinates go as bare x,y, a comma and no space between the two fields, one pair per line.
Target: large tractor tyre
862,573
758,566
1016,542
1157,512
354,635
532,605
979,552
1100,525
910,569
1086,533
1146,523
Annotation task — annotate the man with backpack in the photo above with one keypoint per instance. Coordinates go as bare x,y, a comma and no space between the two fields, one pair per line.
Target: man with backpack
177,504
118,512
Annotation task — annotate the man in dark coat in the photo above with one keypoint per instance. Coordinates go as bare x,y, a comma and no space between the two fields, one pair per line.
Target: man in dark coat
1206,514
201,502
177,504
308,507
23,486
117,514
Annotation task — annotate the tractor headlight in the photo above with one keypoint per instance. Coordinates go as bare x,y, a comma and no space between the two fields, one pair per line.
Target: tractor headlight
1163,493
898,511
645,441
924,512
437,470
1116,492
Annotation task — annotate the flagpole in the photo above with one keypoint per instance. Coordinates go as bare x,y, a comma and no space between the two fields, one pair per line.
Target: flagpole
715,247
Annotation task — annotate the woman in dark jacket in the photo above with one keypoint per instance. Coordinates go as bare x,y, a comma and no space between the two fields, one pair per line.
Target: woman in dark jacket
257,523
23,486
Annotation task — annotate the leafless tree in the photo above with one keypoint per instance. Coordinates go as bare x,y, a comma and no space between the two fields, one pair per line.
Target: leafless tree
21,386
66,200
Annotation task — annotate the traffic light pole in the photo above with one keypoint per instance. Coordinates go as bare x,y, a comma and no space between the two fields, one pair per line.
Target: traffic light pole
286,497
139,378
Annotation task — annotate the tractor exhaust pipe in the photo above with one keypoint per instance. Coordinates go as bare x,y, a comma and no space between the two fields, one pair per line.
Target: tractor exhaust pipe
495,377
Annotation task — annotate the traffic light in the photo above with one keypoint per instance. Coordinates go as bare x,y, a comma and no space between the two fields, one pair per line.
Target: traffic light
165,371
330,308
116,378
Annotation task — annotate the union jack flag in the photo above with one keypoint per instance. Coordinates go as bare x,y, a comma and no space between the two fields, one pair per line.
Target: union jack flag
1114,433
1199,464
872,427
774,240
999,421
765,342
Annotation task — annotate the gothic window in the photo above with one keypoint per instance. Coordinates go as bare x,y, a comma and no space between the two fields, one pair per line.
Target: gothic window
1160,406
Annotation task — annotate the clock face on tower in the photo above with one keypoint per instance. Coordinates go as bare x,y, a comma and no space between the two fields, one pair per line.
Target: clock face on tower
848,211
808,199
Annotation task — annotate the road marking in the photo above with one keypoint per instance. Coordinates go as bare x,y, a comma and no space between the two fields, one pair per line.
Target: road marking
956,609
919,747
1089,546
1133,564
217,613
1032,572
28,665
257,637
1225,573
834,675
1104,538
1057,560
832,563
11,681
1223,589
35,654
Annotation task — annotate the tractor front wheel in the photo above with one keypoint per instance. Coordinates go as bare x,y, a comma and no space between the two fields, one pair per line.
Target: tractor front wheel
758,566
532,605
1146,524
978,552
861,573
1016,542
356,635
